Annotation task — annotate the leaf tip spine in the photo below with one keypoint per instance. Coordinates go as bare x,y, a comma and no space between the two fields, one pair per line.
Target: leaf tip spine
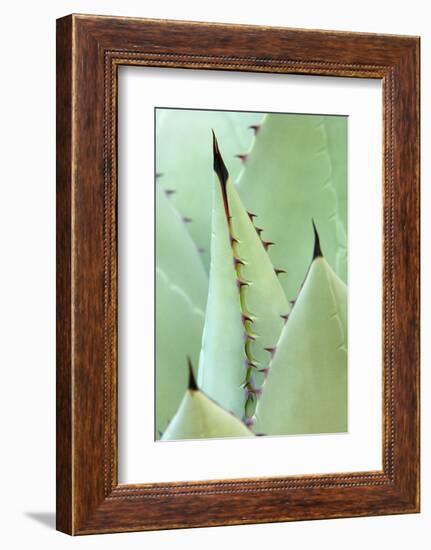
317,252
219,165
192,386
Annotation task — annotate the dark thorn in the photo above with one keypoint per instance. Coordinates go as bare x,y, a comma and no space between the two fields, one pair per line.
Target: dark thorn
292,302
169,192
233,240
251,215
259,435
242,157
187,220
247,379
201,250
160,433
240,284
271,351
222,174
158,175
250,391
248,337
259,230
250,365
317,253
264,372
267,244
192,380
219,165
247,393
285,317
255,128
237,262
279,271
246,318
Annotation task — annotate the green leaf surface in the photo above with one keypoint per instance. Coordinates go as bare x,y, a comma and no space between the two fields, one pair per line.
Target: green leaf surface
176,254
222,363
184,160
262,298
306,389
181,286
336,139
179,327
246,307
200,417
296,171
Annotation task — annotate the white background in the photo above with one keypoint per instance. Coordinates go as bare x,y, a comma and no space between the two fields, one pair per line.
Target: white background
27,274
141,458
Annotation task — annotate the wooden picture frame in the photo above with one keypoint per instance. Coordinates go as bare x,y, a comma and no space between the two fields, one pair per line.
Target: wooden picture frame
89,52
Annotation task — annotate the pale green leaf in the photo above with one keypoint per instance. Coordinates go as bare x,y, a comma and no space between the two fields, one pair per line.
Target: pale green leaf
306,389
296,171
199,417
184,158
246,306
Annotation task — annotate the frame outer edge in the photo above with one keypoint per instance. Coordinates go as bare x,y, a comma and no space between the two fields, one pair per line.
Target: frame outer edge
84,503
64,300
407,280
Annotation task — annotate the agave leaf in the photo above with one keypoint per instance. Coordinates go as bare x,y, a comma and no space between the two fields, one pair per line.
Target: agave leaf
335,128
178,334
306,389
176,254
199,417
336,134
183,158
264,305
246,304
222,362
290,176
181,284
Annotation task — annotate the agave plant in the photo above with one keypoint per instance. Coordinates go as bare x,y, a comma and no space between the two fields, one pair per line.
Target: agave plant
199,417
183,162
269,322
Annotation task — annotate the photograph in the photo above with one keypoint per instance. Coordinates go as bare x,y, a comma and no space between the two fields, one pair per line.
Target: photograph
251,233
214,237
237,272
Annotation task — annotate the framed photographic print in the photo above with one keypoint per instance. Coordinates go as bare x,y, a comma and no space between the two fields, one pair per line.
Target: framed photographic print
237,274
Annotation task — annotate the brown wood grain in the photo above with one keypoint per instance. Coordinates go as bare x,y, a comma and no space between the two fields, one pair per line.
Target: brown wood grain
89,51
64,288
